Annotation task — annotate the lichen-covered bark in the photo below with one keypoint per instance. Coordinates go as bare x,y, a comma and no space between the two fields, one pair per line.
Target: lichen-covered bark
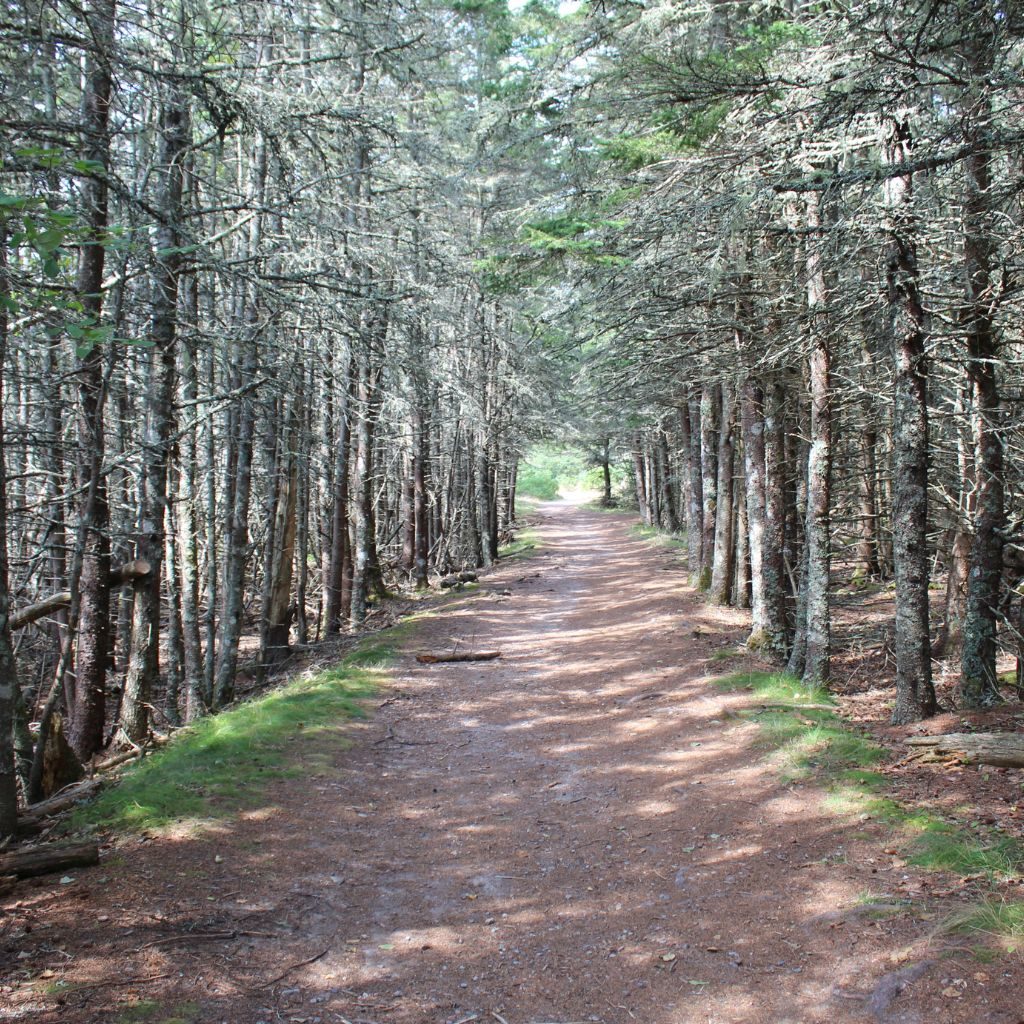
819,467
724,566
915,696
93,647
690,416
8,667
978,684
669,518
773,548
867,537
640,481
144,658
710,407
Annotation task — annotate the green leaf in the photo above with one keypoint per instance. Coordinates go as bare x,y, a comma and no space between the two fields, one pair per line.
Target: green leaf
88,166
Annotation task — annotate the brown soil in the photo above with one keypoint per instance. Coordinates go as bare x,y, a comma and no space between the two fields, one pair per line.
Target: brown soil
581,831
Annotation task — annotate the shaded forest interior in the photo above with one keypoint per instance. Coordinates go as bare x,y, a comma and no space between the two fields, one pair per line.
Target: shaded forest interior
289,291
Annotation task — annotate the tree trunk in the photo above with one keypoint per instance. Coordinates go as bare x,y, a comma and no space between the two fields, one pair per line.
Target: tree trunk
93,649
724,565
689,416
669,519
774,587
144,660
277,613
334,588
819,466
710,404
8,666
978,684
640,482
915,697
752,422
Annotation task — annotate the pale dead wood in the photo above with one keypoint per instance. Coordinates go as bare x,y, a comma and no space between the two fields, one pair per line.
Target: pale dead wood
127,573
1000,749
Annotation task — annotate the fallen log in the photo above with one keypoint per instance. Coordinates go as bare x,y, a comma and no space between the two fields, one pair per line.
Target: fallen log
433,659
1001,749
45,860
61,801
127,573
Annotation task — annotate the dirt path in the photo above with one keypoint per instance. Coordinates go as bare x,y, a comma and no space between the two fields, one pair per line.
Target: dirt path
578,832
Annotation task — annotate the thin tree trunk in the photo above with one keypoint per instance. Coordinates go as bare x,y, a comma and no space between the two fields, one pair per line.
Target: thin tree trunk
710,407
8,666
144,661
819,466
979,684
93,649
724,565
690,414
774,586
915,697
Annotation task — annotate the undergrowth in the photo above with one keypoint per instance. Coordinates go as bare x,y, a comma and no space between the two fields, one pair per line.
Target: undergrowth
220,764
810,742
995,920
668,540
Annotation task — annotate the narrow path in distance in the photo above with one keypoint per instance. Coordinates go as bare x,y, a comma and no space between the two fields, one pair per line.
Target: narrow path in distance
583,830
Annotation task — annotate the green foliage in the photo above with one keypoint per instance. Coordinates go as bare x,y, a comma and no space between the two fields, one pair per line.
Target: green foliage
632,152
749,60
547,472
221,763
572,235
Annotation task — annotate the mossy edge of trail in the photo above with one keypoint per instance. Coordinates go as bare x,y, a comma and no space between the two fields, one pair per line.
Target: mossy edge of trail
808,742
222,763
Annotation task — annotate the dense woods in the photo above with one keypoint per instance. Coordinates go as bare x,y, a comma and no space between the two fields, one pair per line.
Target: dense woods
289,288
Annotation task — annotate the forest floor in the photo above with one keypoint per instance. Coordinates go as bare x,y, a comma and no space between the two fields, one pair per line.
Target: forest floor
585,830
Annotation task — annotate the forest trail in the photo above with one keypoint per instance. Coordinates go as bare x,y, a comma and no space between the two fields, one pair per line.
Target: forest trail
580,831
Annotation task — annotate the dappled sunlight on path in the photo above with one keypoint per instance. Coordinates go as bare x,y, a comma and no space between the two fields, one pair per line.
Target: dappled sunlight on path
582,830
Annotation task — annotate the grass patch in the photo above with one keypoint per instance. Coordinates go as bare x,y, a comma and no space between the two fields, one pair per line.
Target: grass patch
222,763
812,742
726,654
668,540
773,688
999,921
806,738
941,846
150,1010
525,544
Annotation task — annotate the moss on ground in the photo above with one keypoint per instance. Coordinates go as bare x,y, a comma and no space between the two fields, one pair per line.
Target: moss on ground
812,743
222,763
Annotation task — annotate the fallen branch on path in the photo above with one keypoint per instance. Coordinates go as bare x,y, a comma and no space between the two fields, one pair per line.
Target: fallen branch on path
433,659
301,963
390,737
118,983
1002,749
